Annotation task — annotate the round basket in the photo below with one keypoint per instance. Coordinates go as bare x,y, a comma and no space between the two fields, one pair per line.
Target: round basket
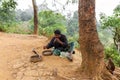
47,53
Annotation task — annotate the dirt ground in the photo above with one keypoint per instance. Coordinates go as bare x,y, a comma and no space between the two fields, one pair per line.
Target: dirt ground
15,52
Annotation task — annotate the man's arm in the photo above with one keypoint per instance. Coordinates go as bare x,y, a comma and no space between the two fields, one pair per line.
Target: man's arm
59,41
50,44
64,41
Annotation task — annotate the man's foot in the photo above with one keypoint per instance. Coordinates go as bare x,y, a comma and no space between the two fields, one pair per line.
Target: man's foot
73,52
69,57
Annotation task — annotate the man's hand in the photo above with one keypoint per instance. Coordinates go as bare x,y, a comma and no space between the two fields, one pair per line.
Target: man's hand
58,40
44,47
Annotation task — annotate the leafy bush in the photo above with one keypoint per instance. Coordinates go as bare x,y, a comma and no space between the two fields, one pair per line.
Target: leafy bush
7,12
75,40
111,52
48,22
18,30
4,26
13,27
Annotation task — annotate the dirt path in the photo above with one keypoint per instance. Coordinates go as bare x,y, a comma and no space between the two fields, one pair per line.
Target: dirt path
15,51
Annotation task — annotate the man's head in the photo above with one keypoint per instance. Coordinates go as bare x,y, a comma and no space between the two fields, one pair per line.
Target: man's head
57,33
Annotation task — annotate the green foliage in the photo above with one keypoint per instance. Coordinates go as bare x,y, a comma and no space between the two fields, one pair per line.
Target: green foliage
72,29
111,52
112,23
106,41
109,22
7,10
3,26
49,18
19,28
72,25
24,15
9,4
74,39
72,1
49,21
117,11
6,13
111,28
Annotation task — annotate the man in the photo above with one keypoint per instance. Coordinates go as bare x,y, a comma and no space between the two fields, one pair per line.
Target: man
60,43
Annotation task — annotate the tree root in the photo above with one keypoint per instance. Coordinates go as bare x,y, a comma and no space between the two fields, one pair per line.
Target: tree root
105,75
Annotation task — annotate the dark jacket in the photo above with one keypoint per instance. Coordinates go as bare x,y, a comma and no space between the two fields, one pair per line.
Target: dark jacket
57,45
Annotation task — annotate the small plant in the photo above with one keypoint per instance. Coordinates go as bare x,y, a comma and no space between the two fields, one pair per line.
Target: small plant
111,52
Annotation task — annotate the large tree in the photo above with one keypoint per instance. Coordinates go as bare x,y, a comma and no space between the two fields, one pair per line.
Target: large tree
35,17
92,66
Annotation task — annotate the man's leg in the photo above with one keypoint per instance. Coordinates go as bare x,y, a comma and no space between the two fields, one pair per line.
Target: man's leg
56,52
70,51
71,47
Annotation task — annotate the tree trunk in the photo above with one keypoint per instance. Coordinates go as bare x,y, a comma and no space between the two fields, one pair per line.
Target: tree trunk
90,45
93,66
116,37
35,17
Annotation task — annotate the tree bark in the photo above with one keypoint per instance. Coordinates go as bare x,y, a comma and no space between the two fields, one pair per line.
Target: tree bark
90,45
116,37
35,17
93,66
